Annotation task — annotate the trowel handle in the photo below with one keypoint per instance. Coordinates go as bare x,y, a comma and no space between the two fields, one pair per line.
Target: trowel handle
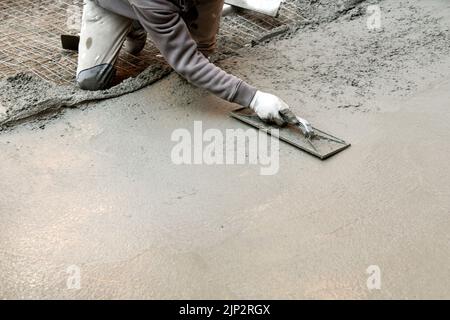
289,116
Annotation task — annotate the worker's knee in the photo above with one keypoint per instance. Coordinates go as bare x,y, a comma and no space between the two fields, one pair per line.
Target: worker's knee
96,78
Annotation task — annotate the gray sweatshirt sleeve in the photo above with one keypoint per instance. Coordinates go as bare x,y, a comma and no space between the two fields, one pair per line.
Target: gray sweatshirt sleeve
163,22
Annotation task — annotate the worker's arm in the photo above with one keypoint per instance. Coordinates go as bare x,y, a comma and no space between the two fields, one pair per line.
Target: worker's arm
163,22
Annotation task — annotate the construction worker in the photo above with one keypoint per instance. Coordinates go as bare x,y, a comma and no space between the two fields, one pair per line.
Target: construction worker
185,33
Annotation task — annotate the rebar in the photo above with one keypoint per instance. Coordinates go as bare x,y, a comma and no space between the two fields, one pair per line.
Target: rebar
30,37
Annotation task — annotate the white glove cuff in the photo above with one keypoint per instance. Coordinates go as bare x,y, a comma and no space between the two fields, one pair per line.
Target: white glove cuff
255,100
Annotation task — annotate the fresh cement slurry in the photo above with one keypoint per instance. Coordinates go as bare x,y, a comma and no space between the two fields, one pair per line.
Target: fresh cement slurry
23,96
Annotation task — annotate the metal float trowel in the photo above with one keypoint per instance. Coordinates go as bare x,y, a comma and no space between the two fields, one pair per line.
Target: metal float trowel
298,133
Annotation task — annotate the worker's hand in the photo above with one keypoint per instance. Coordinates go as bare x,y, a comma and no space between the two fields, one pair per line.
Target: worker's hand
268,107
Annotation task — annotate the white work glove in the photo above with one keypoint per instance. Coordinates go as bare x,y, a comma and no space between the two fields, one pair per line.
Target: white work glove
268,107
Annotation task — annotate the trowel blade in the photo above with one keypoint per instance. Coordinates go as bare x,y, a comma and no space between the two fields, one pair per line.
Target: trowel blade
322,145
269,7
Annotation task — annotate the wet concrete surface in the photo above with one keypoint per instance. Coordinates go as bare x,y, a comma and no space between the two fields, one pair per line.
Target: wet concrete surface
96,189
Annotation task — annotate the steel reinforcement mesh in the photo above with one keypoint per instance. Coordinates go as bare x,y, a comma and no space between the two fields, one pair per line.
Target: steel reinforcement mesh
30,33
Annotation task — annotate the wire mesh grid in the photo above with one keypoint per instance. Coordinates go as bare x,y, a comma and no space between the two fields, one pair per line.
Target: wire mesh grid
30,37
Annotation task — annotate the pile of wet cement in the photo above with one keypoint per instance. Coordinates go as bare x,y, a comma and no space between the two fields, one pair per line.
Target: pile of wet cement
23,96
